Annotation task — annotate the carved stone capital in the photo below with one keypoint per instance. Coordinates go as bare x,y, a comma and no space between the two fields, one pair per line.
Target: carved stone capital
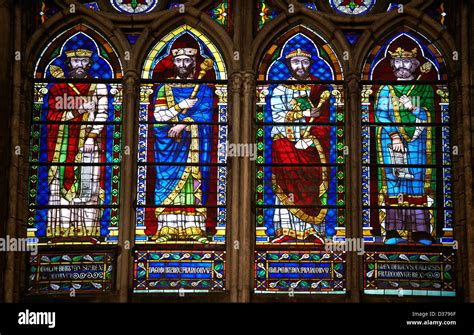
130,82
235,82
353,84
249,83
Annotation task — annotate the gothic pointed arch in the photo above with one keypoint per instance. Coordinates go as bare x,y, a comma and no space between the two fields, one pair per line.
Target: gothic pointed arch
181,208
107,64
300,165
407,167
75,156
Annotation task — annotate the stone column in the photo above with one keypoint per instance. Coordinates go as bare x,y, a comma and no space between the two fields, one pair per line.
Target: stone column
10,18
5,99
353,185
246,196
234,245
128,185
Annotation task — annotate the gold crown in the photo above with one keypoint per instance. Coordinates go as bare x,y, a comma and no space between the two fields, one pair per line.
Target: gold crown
184,52
298,53
401,53
78,53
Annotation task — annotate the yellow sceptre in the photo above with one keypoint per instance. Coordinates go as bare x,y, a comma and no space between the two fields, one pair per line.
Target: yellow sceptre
425,68
305,142
206,65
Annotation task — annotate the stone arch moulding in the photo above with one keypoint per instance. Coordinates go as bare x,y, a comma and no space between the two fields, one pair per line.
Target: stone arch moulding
323,28
94,37
334,64
204,25
388,27
154,54
63,22
423,43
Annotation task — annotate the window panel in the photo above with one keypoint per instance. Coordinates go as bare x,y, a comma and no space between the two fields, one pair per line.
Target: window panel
300,173
406,171
182,169
75,156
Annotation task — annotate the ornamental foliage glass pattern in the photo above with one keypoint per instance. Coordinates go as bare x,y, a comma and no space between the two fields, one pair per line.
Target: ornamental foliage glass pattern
407,169
266,11
300,186
182,164
221,13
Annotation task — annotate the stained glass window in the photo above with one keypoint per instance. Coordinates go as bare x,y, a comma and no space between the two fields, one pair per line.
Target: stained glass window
75,149
437,11
174,4
92,5
407,172
47,8
266,12
182,166
352,36
44,10
300,184
134,6
392,6
311,5
132,38
352,7
220,12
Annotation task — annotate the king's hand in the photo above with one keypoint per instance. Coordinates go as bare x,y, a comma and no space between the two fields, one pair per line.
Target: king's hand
406,102
187,104
397,144
315,112
87,107
176,130
89,145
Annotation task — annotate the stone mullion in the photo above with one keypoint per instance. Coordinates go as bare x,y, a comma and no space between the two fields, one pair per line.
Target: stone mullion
128,185
246,191
353,186
246,194
233,222
15,170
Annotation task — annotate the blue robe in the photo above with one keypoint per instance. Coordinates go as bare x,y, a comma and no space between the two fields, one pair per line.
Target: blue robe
405,196
416,149
169,150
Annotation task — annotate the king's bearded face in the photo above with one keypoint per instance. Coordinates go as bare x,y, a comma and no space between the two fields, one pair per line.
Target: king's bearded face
79,67
299,67
404,68
184,66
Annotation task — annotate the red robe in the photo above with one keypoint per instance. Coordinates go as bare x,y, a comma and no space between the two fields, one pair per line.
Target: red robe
71,129
302,183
